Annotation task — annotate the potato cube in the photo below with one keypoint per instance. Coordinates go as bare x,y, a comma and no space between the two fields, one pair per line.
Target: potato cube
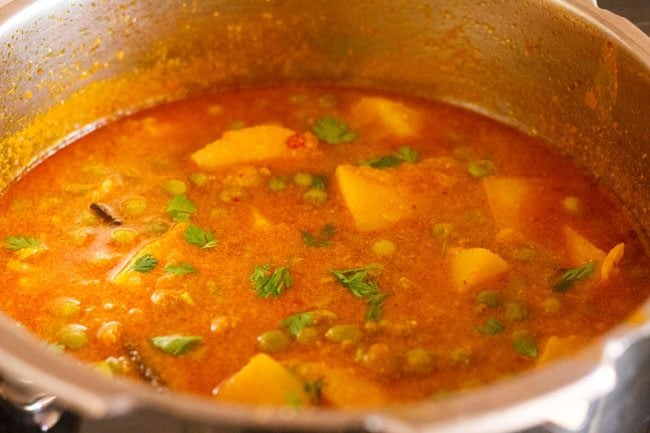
399,119
473,266
580,250
506,197
264,381
557,347
373,196
253,144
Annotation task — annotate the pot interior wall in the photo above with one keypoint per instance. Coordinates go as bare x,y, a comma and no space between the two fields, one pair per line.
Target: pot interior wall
528,63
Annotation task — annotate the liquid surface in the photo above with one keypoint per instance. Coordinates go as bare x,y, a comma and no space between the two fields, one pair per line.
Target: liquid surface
376,250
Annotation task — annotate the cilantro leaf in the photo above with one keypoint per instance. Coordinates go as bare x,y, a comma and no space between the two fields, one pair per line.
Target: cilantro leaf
200,237
267,283
319,182
16,243
333,131
323,239
361,284
145,263
314,389
402,155
176,344
181,269
180,208
492,326
297,322
526,345
572,276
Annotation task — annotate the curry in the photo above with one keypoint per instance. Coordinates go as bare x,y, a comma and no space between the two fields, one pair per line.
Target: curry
315,246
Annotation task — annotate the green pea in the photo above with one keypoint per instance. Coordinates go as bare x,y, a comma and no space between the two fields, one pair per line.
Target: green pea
341,333
302,179
315,195
276,184
174,186
516,311
384,248
307,335
135,206
571,204
490,298
482,168
418,361
552,306
67,307
273,341
73,336
524,254
124,236
198,179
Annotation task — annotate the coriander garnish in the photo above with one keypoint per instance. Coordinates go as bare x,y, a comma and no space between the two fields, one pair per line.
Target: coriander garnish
180,269
403,154
16,243
145,263
361,284
322,239
572,276
180,208
297,322
333,131
176,344
200,237
267,283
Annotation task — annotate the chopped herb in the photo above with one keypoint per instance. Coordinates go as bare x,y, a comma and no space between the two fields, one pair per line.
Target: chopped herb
333,131
176,344
491,327
526,345
361,284
268,283
145,263
403,154
293,399
572,276
180,208
323,239
181,269
297,322
16,243
314,389
482,168
319,182
200,237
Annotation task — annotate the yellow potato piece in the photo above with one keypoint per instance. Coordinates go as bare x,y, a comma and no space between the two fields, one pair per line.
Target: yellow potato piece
125,275
373,197
394,116
473,266
264,381
580,250
248,145
557,347
506,197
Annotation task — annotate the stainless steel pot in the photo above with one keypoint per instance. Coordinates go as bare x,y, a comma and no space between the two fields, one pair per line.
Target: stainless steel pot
563,70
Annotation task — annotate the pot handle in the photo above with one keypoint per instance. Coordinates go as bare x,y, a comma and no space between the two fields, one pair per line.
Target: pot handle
37,408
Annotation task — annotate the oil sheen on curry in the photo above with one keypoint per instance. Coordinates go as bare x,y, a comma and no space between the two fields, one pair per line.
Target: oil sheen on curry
315,246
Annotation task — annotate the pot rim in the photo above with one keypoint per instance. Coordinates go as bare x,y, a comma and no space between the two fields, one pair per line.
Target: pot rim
528,399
